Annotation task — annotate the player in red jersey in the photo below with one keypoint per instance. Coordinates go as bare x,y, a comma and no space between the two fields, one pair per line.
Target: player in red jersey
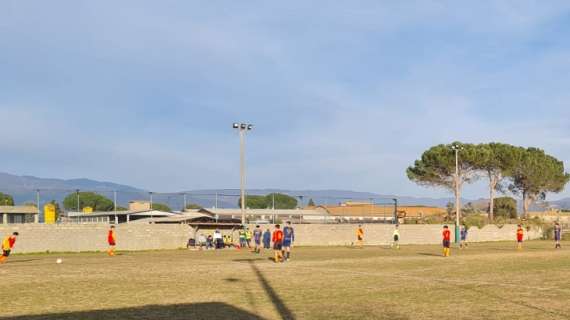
278,243
112,241
7,246
446,241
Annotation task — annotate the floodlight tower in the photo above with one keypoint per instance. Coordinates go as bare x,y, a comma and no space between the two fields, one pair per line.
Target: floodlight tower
242,128
457,147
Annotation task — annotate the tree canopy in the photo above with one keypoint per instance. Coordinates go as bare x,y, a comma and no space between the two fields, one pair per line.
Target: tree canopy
436,167
505,207
161,207
282,201
88,199
6,199
529,173
496,162
534,174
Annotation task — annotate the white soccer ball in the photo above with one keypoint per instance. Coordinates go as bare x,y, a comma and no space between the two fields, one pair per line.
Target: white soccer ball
59,260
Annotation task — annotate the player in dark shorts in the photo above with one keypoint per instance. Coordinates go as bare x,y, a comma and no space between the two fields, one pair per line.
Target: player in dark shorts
7,246
278,243
446,234
557,236
463,235
257,234
288,238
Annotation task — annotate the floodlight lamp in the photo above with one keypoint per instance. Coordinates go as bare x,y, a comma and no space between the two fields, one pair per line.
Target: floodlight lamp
249,126
236,125
243,126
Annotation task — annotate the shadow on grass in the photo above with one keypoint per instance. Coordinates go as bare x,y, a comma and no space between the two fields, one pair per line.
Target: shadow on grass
282,309
429,254
279,304
249,260
210,310
22,260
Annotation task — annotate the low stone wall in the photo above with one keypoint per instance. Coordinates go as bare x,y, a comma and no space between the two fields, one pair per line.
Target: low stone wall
93,237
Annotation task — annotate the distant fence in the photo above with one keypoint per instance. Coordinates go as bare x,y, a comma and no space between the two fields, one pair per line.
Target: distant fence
228,199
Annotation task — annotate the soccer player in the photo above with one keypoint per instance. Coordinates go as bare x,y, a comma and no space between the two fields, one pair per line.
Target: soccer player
288,239
557,235
463,243
112,241
278,243
248,236
520,236
396,236
257,234
7,246
360,236
267,239
446,241
242,241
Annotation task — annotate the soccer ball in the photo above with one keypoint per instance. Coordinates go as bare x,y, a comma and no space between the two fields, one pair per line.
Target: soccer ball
59,260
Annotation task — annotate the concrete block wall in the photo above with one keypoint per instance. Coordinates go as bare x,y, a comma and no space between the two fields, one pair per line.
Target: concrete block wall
381,234
93,237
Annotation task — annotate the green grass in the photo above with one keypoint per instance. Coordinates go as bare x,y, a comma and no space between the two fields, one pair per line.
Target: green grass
486,281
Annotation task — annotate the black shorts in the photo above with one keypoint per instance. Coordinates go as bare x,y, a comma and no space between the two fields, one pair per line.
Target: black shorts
446,243
359,238
278,246
5,253
396,238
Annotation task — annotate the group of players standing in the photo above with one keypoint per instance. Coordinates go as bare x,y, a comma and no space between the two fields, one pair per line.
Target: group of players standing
282,241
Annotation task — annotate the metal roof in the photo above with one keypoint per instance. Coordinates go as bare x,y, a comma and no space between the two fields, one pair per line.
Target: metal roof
121,213
174,218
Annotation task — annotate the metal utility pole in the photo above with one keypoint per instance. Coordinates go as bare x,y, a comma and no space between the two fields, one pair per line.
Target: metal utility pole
396,211
185,203
242,128
77,191
457,148
37,218
115,206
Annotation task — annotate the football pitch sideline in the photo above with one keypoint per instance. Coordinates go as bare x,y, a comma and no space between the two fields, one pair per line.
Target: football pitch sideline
485,281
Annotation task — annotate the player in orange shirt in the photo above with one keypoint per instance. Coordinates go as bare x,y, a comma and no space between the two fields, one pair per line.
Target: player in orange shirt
7,245
520,236
360,236
446,241
112,241
278,243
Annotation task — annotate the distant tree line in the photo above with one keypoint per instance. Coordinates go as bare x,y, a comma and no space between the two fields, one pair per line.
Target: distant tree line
279,200
529,173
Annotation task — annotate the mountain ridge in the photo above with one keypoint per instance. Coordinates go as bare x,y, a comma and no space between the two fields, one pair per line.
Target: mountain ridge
23,189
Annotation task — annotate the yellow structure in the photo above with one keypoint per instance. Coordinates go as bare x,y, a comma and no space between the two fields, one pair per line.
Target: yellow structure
87,210
49,213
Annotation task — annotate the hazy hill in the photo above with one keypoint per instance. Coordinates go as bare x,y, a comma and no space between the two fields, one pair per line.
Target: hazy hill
23,188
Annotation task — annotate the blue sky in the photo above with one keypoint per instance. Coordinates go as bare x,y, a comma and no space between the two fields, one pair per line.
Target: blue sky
343,94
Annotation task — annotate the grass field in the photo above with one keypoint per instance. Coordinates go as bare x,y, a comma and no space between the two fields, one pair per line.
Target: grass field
486,281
